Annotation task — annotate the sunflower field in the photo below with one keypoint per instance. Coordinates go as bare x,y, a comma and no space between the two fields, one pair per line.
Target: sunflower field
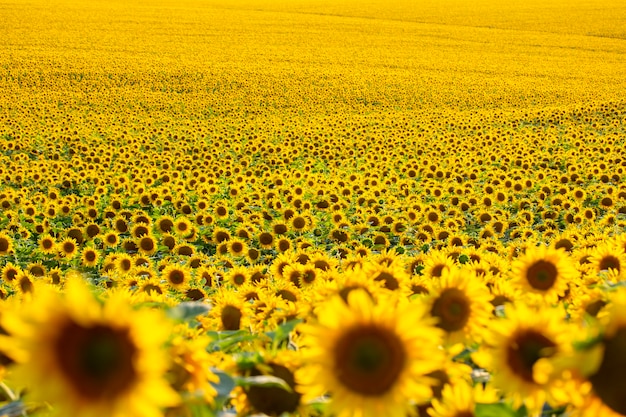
312,208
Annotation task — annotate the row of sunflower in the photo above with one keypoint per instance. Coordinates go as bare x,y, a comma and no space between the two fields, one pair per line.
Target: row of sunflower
220,208
366,340
472,285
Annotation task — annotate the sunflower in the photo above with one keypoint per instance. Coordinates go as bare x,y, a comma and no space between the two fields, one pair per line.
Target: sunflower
299,223
47,244
543,272
183,226
177,276
36,269
450,372
124,263
6,244
293,274
604,364
280,263
91,359
283,244
391,276
54,276
67,248
151,286
24,282
273,401
111,239
266,240
147,244
191,368
609,258
140,229
237,247
229,312
237,276
92,230
310,276
120,224
169,241
208,276
436,263
514,348
461,304
165,224
374,360
90,256
220,235
459,400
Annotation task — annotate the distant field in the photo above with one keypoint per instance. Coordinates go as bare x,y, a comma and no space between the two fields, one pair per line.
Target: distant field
312,207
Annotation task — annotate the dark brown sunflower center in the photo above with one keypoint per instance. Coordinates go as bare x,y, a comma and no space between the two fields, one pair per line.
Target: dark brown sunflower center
391,282
38,271
239,279
266,239
500,300
343,293
418,289
68,247
231,317
149,288
437,270
608,380
369,360
452,308
594,307
176,277
26,285
4,244
442,378
609,262
308,277
299,223
97,361
146,244
542,275
524,350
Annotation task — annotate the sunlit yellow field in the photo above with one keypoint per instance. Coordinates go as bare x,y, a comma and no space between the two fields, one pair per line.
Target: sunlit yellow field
312,207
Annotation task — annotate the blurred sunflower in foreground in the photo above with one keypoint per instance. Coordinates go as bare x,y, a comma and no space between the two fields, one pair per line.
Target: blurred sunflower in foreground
602,364
87,358
374,360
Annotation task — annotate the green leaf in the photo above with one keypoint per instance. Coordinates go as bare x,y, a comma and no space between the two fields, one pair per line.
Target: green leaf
188,310
13,409
226,339
282,331
201,410
495,410
248,360
224,387
267,381
589,343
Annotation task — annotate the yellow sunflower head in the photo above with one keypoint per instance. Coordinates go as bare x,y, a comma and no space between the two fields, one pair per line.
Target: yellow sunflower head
544,273
459,400
516,346
461,304
88,358
605,363
374,361
609,259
